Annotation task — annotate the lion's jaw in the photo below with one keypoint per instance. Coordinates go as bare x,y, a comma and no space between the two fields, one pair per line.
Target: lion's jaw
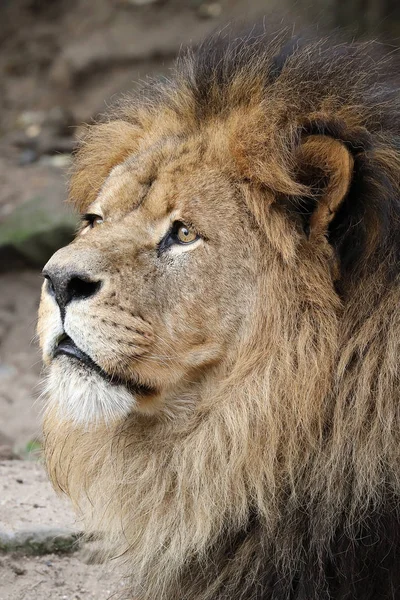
158,322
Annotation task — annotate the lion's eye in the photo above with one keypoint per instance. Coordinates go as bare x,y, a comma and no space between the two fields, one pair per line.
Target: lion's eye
92,220
184,234
181,234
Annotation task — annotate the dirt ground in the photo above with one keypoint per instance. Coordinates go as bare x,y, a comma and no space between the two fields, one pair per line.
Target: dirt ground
53,577
29,507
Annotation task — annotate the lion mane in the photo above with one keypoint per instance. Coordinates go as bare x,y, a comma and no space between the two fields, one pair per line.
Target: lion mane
282,482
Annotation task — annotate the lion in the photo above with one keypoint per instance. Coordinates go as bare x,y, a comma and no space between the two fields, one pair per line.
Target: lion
222,336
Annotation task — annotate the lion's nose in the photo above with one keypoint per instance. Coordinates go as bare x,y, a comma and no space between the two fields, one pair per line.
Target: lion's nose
66,286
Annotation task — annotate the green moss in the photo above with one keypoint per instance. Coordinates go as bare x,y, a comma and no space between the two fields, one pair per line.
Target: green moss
35,229
32,450
40,542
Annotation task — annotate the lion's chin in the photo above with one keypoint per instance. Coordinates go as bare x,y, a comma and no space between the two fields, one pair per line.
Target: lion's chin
83,396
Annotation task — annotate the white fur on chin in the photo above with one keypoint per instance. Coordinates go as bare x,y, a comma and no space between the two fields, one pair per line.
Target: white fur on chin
83,396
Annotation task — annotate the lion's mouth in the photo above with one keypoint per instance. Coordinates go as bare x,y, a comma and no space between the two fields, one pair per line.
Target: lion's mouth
67,347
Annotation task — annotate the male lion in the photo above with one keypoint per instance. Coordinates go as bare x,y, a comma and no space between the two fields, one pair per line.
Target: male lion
222,336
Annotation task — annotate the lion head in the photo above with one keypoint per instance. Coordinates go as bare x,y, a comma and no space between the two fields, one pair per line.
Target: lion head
222,336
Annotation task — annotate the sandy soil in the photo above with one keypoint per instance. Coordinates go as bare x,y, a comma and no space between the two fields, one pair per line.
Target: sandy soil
54,577
27,503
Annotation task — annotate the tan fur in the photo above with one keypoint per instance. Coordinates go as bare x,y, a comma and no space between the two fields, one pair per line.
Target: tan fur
274,390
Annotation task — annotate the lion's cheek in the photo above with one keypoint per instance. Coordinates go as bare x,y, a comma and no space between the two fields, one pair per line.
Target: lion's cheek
112,341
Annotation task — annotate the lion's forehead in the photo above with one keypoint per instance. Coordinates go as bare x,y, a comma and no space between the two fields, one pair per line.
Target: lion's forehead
162,181
124,195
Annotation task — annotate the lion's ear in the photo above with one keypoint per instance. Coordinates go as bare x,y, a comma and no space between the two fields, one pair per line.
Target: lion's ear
325,166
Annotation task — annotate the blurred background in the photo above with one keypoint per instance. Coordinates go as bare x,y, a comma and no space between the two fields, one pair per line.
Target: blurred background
61,62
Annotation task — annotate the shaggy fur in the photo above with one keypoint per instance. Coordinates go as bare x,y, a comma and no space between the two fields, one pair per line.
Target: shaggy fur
271,472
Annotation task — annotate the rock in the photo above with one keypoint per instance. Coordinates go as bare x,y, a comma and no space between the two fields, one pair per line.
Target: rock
31,233
140,2
209,10
7,452
33,520
4,439
6,447
27,157
126,43
40,541
60,161
57,118
17,569
40,133
30,117
20,373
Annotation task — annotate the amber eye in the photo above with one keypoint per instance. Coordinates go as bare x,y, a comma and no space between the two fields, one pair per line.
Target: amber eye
180,234
184,234
92,220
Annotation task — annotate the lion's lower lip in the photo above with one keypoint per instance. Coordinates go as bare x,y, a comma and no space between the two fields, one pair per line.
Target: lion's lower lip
67,347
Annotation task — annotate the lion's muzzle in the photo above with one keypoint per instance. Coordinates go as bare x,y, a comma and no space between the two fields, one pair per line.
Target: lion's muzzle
67,285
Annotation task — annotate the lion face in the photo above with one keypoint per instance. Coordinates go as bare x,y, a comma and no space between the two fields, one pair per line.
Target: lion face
147,298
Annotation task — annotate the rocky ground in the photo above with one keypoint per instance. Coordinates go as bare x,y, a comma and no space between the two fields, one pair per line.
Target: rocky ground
41,554
56,577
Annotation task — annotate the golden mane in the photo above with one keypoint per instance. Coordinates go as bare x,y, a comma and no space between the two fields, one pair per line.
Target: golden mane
266,488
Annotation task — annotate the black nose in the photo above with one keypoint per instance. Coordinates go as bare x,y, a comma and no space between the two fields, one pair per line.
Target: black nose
66,286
